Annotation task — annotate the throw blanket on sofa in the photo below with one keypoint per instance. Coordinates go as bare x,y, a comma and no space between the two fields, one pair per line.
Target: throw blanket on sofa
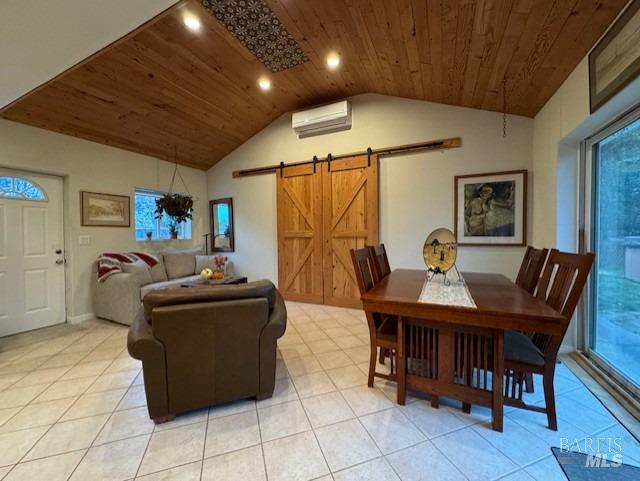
111,263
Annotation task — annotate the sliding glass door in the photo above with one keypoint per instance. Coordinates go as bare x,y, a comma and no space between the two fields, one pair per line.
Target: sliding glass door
613,333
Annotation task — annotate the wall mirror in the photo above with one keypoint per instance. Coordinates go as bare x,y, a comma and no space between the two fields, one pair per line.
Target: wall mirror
222,225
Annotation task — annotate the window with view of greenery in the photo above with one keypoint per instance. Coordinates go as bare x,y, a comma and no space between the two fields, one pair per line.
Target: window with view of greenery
616,327
145,218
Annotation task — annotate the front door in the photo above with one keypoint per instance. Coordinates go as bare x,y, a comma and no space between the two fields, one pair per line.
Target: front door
32,289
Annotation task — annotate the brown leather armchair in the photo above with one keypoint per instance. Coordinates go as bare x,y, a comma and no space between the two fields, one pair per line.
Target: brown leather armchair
207,345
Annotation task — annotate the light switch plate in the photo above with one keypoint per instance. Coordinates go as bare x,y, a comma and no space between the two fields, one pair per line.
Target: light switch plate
84,240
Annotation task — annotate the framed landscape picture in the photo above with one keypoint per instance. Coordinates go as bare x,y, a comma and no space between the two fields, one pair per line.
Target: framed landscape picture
491,209
105,210
615,61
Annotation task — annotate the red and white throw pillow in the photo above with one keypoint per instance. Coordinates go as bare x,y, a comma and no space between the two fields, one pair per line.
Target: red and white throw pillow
110,263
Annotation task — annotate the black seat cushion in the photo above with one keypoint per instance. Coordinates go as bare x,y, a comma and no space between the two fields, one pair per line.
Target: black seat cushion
519,347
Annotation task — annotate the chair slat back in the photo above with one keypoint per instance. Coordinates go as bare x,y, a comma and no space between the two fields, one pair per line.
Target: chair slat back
379,262
530,269
362,262
563,280
561,286
361,259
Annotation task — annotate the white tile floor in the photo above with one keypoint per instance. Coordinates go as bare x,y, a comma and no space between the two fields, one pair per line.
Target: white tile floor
72,406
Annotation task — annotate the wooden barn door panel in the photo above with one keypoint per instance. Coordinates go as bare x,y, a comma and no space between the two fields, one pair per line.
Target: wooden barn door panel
299,198
350,218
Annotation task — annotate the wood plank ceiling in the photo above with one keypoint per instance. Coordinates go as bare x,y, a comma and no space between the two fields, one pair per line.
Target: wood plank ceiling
165,87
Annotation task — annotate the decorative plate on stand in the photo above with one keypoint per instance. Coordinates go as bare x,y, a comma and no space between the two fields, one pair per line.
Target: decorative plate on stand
440,251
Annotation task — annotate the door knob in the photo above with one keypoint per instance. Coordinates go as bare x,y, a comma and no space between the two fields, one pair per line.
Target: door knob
59,261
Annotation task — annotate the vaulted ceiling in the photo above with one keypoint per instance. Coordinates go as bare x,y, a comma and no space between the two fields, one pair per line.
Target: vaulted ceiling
40,39
165,88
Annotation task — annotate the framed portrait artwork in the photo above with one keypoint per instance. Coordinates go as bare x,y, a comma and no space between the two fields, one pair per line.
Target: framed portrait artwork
615,61
491,209
105,210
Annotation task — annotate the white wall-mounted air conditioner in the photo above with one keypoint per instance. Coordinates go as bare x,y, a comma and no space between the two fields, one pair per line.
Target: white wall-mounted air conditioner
323,119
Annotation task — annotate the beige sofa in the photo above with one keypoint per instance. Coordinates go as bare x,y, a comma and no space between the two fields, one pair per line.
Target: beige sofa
119,297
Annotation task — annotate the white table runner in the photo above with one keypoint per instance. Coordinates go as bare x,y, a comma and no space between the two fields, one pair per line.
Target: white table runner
456,293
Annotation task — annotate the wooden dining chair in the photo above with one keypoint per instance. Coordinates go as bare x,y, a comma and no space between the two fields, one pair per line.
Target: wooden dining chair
561,286
382,329
528,278
380,262
380,269
530,269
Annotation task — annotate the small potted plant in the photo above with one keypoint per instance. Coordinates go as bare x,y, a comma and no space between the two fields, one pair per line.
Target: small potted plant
174,228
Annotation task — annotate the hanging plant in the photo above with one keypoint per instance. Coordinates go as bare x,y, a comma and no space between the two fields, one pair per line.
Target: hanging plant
177,206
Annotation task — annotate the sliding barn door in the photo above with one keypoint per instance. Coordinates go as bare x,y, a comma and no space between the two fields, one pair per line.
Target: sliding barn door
350,221
299,198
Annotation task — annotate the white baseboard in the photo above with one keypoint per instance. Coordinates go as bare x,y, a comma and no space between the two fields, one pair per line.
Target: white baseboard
80,318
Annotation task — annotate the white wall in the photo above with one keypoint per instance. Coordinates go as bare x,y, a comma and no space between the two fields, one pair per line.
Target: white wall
416,191
558,129
94,167
561,114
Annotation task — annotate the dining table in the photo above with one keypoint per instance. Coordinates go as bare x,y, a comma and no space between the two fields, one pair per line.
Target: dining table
452,350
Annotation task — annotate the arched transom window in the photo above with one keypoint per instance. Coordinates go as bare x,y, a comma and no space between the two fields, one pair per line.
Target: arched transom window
19,188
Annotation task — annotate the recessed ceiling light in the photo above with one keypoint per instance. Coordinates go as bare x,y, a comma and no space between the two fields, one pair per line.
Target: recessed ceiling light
264,83
333,61
191,22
